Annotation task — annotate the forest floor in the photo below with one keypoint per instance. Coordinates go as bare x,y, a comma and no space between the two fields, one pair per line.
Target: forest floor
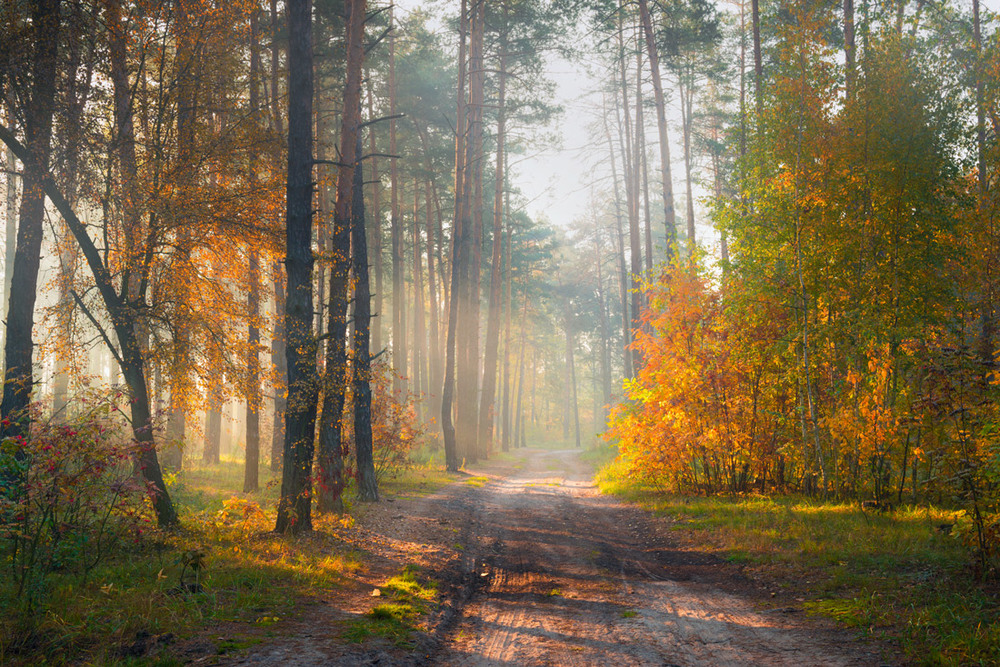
533,566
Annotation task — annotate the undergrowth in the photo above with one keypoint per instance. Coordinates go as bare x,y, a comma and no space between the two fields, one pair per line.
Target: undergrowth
223,565
904,575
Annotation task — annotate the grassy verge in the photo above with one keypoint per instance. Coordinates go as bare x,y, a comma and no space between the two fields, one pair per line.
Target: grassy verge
408,596
140,604
898,576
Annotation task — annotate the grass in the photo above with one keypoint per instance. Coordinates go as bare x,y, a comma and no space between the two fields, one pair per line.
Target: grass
478,482
887,575
395,621
251,579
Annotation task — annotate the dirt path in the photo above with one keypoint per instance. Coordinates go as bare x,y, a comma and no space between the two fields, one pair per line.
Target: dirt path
537,568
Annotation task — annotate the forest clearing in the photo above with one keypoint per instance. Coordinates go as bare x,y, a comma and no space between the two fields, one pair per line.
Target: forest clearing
500,332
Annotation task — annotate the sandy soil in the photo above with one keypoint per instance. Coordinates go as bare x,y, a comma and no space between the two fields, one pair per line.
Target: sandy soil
537,568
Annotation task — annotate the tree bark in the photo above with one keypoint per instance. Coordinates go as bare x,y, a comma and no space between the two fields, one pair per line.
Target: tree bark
627,365
469,306
331,463
399,382
452,460
251,470
419,325
669,216
363,439
487,402
18,345
295,505
376,230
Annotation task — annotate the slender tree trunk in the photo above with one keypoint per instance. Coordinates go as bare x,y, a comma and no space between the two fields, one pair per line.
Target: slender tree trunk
849,50
632,199
519,437
295,505
605,336
331,463
452,460
363,438
11,238
669,216
469,307
18,345
569,388
620,260
687,107
507,335
251,473
434,372
278,278
279,360
646,213
488,398
376,228
758,64
396,234
419,332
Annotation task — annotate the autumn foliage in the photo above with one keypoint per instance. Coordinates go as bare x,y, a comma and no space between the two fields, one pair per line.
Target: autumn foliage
847,349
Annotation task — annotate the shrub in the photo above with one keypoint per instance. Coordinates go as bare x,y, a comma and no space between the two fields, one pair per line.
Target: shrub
395,427
72,495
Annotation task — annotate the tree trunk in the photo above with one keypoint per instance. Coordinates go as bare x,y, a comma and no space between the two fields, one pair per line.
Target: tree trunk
469,306
251,470
121,314
331,463
279,361
434,346
419,328
488,398
11,231
363,439
507,305
687,108
605,336
213,423
295,505
278,346
399,384
758,65
849,50
630,163
18,345
376,230
620,260
518,412
452,460
669,216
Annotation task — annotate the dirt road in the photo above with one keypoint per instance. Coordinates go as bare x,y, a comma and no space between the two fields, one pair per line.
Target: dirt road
537,568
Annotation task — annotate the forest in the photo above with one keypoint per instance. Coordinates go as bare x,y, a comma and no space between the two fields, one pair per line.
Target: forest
264,261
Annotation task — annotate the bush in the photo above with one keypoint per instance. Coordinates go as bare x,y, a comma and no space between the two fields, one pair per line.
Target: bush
395,427
71,496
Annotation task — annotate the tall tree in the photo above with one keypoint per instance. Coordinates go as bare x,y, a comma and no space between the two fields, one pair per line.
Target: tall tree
458,258
18,345
669,216
295,505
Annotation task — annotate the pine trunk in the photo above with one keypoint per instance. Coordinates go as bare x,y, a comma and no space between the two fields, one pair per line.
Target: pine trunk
295,505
